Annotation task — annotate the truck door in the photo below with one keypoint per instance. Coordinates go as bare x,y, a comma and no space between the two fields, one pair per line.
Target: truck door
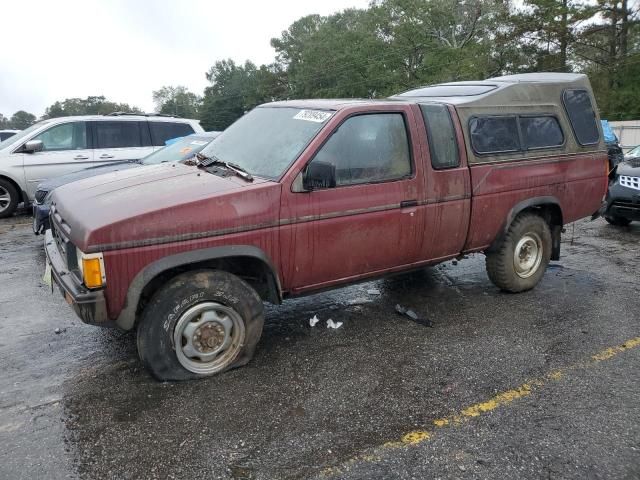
368,221
447,182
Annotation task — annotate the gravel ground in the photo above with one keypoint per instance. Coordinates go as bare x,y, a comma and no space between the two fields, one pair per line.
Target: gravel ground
543,384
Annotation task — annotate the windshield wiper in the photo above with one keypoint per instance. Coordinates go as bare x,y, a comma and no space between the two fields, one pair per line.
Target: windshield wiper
205,161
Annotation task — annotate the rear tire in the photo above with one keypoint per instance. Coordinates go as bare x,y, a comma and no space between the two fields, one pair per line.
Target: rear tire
617,221
521,259
199,324
9,198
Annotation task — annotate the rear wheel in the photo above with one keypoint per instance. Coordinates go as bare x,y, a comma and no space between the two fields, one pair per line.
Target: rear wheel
9,198
522,258
617,221
199,324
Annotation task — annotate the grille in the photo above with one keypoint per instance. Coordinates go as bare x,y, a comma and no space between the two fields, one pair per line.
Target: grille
630,182
66,248
41,195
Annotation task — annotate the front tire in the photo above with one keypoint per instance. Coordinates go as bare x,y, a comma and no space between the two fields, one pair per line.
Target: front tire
521,259
617,221
9,198
199,324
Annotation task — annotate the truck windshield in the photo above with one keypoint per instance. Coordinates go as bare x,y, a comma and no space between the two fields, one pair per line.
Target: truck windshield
267,140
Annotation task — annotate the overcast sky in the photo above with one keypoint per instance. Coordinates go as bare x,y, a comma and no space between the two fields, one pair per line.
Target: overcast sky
125,49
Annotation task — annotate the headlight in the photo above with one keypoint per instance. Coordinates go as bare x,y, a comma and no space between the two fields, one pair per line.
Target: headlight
47,199
91,266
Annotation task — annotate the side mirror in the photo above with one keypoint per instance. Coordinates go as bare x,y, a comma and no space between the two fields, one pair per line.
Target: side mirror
319,175
33,146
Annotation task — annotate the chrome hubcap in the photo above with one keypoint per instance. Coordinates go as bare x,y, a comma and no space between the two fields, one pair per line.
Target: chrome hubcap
527,255
5,199
208,337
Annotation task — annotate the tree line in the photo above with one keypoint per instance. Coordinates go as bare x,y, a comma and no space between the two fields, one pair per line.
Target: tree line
395,45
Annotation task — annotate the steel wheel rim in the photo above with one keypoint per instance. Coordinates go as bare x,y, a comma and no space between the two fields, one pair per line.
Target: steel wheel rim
527,256
208,337
5,199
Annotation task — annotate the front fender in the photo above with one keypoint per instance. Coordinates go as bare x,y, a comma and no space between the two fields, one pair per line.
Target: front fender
126,318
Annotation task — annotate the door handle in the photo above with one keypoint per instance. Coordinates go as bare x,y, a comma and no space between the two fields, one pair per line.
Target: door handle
81,157
106,155
408,203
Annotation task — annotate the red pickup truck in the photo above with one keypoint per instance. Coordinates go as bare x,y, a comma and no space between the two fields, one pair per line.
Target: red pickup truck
305,195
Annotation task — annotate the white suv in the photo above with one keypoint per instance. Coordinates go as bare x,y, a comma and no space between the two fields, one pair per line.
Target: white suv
63,145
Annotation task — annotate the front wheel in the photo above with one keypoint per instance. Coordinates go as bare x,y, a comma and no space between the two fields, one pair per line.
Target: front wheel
522,258
617,221
199,324
9,198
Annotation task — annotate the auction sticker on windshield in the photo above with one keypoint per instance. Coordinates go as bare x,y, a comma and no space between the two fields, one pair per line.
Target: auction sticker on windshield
312,115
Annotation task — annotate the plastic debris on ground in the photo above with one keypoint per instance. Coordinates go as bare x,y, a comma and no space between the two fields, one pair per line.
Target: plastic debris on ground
332,324
373,291
359,301
313,321
407,312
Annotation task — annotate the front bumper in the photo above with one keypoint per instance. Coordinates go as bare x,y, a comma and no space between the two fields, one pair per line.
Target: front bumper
89,305
623,202
41,218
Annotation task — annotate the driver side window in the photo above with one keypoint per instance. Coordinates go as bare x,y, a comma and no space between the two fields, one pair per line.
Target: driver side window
67,136
368,148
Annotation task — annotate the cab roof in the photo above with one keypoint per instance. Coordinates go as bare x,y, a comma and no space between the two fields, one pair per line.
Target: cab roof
525,87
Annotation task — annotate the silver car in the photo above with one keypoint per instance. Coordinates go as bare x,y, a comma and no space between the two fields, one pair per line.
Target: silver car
59,146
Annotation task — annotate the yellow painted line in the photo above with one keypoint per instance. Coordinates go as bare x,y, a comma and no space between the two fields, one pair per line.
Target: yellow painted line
502,399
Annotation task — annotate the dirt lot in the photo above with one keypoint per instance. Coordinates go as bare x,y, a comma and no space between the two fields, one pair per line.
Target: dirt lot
544,384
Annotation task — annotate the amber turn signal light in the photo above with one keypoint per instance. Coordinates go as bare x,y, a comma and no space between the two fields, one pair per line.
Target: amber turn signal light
92,272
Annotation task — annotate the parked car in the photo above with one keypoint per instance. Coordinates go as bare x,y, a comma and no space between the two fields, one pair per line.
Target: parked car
623,196
4,134
178,149
633,153
63,145
301,196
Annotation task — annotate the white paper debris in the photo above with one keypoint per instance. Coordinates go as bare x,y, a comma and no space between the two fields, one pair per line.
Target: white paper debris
373,291
313,321
332,324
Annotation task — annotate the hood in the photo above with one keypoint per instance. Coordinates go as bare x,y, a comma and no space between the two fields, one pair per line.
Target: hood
161,204
56,182
630,167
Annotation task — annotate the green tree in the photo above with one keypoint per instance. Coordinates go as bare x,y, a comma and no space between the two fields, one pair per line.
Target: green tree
96,105
236,89
394,45
440,40
4,122
550,29
21,120
397,44
177,101
334,56
609,51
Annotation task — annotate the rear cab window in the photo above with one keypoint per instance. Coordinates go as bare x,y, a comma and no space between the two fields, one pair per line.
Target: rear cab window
514,133
441,134
541,132
497,134
163,131
581,116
